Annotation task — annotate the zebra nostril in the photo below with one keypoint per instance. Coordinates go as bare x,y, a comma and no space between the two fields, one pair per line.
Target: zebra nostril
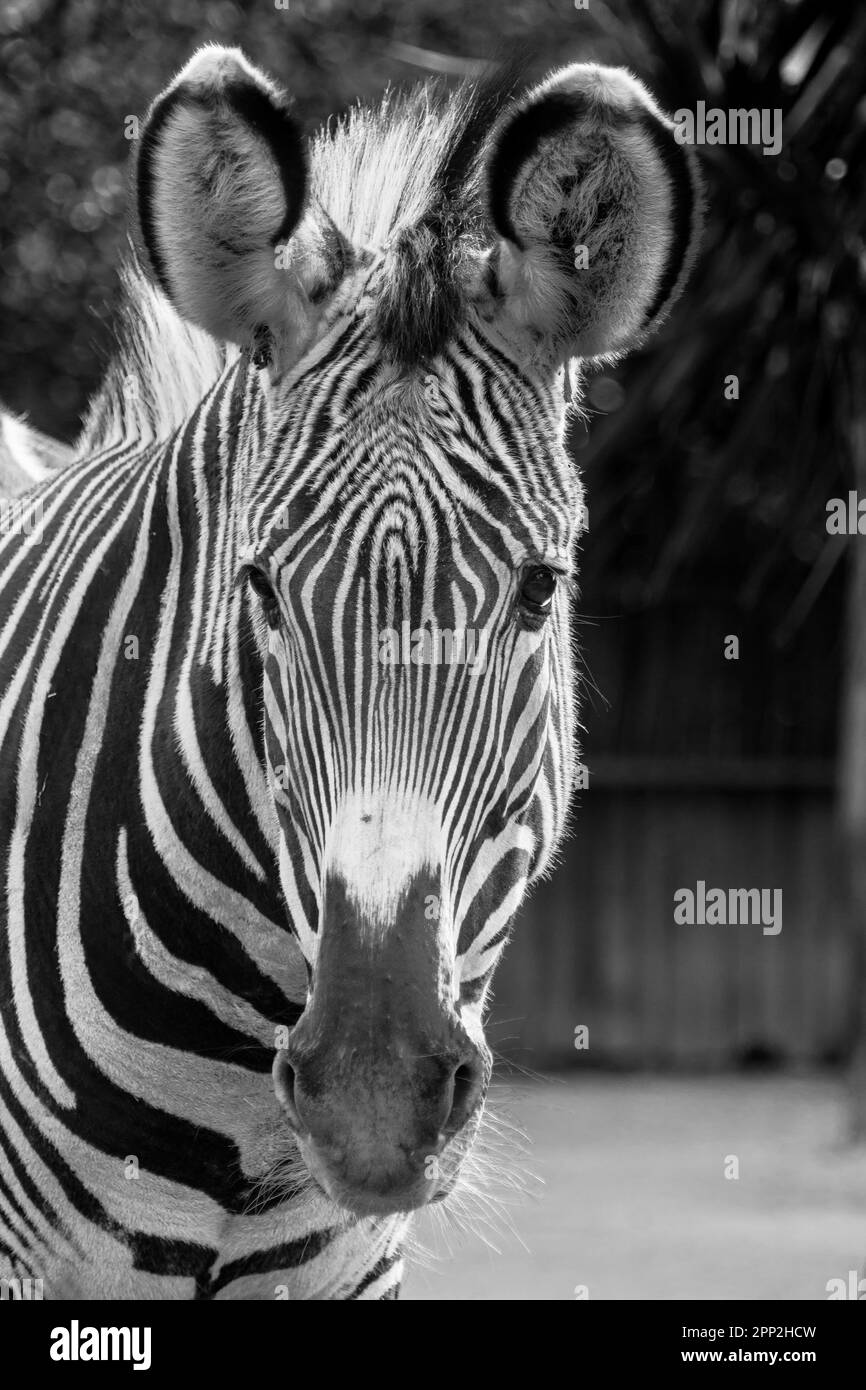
468,1084
284,1087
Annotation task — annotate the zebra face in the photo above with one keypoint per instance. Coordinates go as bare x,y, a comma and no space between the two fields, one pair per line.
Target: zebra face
412,289
418,736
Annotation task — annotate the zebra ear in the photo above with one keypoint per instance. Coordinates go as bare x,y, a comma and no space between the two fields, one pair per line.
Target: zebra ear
598,208
221,181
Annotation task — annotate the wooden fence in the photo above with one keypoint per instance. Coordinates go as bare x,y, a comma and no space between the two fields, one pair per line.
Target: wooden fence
597,945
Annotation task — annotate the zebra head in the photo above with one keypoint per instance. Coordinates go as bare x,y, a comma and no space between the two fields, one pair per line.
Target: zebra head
413,287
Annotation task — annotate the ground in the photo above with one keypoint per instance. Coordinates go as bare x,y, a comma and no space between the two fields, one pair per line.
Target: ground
634,1202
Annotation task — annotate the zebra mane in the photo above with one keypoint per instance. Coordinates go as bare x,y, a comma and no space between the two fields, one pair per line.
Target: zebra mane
378,169
403,176
402,173
162,368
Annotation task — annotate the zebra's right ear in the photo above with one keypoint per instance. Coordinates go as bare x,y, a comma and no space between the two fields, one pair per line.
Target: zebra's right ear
221,184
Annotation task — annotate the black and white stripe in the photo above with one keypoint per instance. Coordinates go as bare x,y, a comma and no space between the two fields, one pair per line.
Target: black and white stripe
200,743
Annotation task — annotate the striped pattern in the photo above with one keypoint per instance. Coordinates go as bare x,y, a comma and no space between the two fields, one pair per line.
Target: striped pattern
199,732
139,1016
146,946
476,485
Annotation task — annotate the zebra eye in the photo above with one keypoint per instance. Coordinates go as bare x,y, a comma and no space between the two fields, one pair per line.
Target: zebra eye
261,587
537,590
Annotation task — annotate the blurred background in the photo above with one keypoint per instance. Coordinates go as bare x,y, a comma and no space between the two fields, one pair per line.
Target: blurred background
708,519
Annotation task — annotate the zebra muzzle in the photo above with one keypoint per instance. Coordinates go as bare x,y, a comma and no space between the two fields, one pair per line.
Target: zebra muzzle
377,1138
380,1081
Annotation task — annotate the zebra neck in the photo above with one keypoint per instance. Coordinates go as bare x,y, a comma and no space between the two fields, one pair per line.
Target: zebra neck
209,669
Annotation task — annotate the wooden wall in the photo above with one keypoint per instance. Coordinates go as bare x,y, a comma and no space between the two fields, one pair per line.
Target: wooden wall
699,768
598,945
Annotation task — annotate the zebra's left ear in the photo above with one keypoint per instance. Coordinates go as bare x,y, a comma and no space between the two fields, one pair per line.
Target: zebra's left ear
221,184
598,211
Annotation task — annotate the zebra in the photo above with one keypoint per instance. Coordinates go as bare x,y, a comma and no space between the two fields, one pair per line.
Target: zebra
27,456
259,864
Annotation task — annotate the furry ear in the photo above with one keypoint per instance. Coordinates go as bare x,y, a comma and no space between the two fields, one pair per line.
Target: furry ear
598,208
221,183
